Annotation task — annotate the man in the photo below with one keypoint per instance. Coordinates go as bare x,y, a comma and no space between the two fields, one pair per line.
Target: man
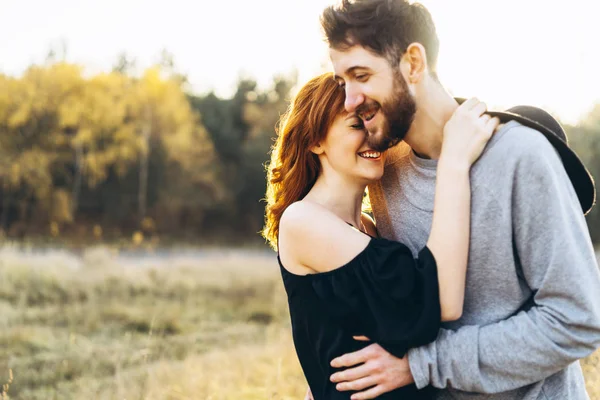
532,302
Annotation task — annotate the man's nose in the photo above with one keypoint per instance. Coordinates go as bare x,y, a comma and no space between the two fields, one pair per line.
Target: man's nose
353,99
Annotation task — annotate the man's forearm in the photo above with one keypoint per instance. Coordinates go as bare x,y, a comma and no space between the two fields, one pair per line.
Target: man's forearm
503,356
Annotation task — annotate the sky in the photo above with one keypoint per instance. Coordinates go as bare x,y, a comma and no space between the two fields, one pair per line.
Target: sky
505,52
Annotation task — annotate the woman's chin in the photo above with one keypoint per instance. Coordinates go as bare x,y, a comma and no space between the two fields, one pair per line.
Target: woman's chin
373,176
377,177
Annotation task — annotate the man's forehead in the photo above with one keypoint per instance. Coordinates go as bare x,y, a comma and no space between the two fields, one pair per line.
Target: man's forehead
346,60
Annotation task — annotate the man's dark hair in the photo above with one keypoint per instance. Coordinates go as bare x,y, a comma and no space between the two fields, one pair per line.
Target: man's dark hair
386,27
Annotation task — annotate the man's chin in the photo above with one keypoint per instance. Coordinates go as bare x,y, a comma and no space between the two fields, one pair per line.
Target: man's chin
379,141
377,132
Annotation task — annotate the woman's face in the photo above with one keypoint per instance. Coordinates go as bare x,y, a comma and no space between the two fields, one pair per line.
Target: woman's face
345,150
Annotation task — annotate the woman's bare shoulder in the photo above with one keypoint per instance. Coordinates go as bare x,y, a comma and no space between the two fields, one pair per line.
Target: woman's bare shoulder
313,238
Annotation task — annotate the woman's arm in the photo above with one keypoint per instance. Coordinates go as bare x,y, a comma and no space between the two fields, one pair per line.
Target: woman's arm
465,136
449,237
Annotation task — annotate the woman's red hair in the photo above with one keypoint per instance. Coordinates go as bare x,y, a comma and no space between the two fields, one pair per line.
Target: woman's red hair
294,168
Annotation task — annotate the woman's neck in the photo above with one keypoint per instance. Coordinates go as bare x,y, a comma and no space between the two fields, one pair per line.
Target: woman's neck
341,197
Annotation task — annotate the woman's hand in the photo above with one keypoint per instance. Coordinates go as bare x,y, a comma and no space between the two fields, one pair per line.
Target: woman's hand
467,132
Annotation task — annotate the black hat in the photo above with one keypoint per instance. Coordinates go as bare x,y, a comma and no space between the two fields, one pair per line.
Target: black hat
540,120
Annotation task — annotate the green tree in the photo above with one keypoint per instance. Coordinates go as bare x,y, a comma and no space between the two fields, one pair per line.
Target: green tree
585,140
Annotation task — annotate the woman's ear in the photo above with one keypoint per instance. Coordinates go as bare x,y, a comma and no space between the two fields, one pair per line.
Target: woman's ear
318,149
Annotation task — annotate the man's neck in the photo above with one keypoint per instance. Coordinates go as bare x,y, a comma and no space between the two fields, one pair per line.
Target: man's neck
435,107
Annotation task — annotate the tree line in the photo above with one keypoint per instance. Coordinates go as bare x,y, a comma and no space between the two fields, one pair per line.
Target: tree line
109,155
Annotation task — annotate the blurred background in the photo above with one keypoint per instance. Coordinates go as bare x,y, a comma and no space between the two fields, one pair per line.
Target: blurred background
133,142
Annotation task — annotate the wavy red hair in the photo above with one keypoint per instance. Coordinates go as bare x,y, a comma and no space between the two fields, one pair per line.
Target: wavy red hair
294,168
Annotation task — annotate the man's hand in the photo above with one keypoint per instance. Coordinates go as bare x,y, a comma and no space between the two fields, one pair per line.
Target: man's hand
308,395
371,367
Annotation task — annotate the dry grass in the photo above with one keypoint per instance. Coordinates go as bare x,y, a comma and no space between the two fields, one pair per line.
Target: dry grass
251,371
103,327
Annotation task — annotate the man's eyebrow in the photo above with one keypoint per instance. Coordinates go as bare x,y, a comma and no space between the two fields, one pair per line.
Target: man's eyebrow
349,71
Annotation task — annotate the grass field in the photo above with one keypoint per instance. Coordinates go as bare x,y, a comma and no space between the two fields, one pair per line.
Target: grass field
102,326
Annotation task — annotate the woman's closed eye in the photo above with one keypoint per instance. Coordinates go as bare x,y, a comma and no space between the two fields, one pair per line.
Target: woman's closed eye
358,125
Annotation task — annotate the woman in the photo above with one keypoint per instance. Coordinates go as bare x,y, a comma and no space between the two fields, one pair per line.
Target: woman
341,280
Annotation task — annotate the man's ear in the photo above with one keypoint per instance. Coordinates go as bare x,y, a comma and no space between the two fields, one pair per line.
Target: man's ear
317,149
414,63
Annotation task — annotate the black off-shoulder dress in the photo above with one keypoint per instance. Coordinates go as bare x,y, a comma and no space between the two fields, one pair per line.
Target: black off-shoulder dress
384,293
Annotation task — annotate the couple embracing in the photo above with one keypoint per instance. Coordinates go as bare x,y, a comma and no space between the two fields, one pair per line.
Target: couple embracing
476,277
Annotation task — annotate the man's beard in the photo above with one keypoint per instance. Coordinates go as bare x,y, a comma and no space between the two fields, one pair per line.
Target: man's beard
398,112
